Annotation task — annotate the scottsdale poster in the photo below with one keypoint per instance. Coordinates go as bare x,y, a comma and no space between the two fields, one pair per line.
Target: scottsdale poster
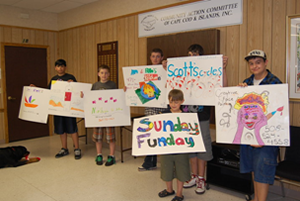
34,104
196,76
167,134
253,115
66,98
106,108
146,86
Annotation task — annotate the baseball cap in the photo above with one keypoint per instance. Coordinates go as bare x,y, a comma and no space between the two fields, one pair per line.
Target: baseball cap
256,53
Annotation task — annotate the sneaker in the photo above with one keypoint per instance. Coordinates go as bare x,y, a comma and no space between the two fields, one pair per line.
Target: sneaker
141,168
190,183
200,186
99,160
77,153
62,152
110,161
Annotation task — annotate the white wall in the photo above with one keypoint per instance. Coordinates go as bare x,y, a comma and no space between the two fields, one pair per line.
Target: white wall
39,20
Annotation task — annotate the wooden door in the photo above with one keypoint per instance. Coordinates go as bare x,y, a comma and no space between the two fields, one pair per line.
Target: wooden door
23,66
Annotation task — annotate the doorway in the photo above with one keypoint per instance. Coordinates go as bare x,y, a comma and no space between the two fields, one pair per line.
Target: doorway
24,65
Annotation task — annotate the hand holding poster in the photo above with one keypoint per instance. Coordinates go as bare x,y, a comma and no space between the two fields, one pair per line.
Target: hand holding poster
67,98
34,104
145,86
257,115
168,133
106,108
197,77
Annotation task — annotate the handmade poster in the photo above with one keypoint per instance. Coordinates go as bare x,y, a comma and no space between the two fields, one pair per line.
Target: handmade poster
145,86
34,104
66,98
106,108
257,115
196,76
169,133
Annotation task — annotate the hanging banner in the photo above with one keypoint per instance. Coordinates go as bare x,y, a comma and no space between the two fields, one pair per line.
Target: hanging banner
145,86
257,115
168,133
196,77
192,16
106,108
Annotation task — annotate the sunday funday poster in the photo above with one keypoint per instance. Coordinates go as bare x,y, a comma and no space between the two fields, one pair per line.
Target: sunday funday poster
145,86
168,133
34,104
196,76
106,108
253,115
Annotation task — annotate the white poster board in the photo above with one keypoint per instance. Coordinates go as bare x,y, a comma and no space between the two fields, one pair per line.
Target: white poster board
34,104
196,77
106,108
66,98
145,86
257,115
193,16
169,133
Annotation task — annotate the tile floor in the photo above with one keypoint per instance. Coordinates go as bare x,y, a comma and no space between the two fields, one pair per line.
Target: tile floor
67,179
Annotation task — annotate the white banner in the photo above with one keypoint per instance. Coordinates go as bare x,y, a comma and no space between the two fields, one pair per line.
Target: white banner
146,86
196,77
67,98
253,115
34,104
193,16
168,133
106,108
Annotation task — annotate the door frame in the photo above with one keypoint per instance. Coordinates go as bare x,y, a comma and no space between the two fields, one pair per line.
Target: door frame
3,83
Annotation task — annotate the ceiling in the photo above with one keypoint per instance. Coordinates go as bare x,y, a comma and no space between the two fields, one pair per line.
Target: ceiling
53,6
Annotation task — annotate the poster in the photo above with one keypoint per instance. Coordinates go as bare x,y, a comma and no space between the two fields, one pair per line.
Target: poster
197,77
106,108
34,104
257,115
145,86
167,134
66,98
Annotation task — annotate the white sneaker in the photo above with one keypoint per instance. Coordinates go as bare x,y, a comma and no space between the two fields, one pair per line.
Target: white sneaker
190,183
201,183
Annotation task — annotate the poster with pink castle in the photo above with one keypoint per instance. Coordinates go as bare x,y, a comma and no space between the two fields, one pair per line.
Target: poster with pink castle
256,115
196,76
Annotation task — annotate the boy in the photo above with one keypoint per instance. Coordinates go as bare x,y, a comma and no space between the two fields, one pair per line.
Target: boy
65,125
174,165
150,161
104,83
198,160
253,157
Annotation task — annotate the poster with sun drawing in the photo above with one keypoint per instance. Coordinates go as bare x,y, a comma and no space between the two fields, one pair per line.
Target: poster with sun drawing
169,133
196,76
34,104
145,86
106,108
256,115
66,98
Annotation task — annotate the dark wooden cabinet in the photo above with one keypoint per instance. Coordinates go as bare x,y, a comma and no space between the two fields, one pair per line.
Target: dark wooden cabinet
223,170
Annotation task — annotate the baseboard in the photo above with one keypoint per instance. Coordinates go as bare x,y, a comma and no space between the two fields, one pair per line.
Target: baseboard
288,192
